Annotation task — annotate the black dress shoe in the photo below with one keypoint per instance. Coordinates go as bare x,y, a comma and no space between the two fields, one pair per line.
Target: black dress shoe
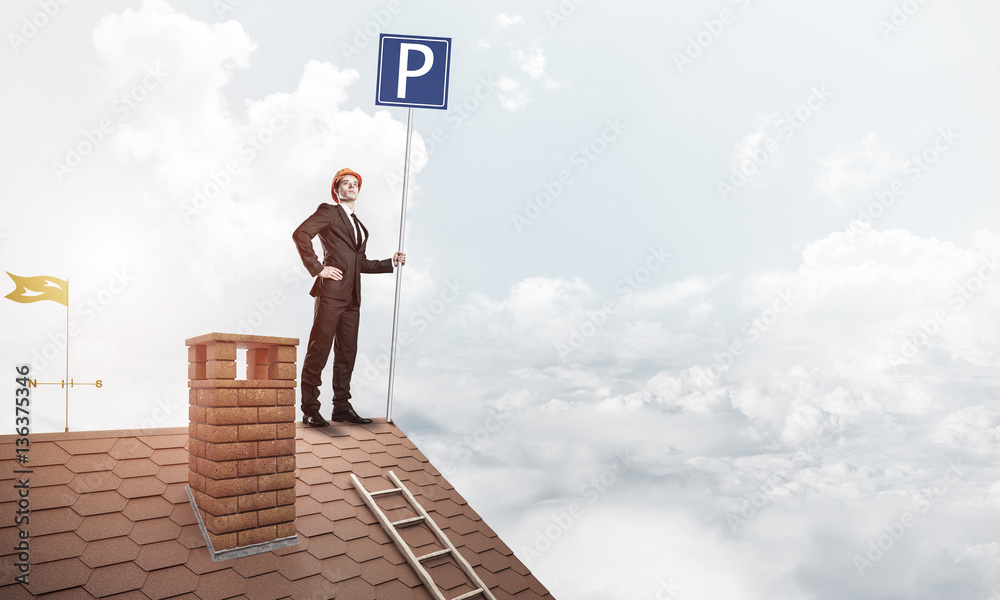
314,420
350,416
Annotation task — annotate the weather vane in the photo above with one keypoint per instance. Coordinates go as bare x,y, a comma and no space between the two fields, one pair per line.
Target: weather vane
36,289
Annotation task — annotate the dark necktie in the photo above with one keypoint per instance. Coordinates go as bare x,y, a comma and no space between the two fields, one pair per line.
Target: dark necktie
357,229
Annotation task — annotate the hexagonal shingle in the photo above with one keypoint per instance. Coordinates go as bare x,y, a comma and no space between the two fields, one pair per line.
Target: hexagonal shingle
363,549
161,555
51,475
170,582
326,492
173,473
99,503
446,573
327,545
340,568
338,511
258,564
137,487
115,579
58,546
378,571
493,561
326,451
190,537
175,493
149,507
99,481
54,520
447,508
135,467
100,527
355,455
57,575
410,464
511,582
311,525
47,453
477,542
461,525
110,551
56,496
382,460
299,565
129,448
314,476
220,584
307,506
170,456
182,514
86,463
154,530
98,446
156,442
350,529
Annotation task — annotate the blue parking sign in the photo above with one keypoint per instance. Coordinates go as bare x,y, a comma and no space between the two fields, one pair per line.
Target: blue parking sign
413,71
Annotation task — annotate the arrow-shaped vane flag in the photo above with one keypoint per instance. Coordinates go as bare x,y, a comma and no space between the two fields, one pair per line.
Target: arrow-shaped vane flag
33,289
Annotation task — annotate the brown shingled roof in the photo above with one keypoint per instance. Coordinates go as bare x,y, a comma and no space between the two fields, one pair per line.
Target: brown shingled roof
110,518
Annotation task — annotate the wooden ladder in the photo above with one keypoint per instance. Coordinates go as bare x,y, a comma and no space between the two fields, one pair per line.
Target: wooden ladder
422,517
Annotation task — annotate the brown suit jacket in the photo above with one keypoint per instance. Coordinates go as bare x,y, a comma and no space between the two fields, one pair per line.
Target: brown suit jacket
336,233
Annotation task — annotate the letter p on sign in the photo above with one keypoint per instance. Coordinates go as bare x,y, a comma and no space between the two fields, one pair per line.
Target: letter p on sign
413,71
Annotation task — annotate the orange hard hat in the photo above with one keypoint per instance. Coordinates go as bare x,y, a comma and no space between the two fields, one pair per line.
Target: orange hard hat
336,179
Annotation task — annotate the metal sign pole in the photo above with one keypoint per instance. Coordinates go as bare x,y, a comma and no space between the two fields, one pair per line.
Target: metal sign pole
399,268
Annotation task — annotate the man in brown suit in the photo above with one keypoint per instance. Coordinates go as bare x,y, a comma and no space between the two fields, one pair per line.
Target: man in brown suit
338,296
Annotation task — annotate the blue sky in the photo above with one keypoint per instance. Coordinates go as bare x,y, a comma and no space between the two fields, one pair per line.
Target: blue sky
700,299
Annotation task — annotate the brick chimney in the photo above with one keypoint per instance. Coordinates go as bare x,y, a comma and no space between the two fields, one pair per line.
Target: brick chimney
241,439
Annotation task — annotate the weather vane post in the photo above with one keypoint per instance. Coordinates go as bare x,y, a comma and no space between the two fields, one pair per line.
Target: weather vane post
42,287
413,72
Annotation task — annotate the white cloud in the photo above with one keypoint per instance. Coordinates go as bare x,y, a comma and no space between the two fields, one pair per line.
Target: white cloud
531,61
513,93
850,171
761,149
503,20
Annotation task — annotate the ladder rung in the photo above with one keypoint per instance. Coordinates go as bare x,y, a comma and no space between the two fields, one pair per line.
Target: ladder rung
474,592
382,492
406,522
433,554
